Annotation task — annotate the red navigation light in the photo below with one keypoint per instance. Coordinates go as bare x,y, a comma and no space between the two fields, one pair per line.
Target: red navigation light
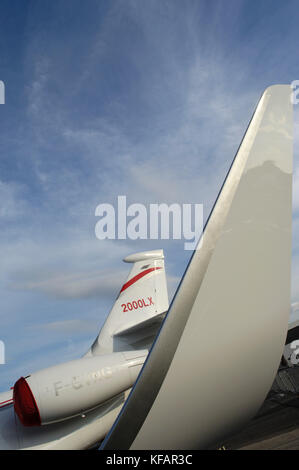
25,405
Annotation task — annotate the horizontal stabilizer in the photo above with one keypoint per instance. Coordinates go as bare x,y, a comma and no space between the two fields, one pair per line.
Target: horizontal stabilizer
155,321
6,399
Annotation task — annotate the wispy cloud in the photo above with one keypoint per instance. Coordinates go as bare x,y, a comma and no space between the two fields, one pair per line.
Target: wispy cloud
146,99
12,201
76,285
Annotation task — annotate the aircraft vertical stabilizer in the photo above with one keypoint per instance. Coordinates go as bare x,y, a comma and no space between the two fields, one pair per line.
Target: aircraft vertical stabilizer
139,308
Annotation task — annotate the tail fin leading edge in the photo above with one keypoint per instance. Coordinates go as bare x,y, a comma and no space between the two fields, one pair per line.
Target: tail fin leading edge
219,348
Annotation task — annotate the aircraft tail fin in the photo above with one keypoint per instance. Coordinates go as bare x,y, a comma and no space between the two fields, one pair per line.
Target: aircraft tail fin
139,308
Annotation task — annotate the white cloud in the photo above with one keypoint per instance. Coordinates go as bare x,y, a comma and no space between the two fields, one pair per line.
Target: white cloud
165,130
87,325
76,285
12,203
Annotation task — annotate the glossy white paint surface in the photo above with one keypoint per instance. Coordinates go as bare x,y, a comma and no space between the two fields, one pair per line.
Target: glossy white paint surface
70,389
219,349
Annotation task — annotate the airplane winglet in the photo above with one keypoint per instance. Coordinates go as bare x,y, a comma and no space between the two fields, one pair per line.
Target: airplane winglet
220,345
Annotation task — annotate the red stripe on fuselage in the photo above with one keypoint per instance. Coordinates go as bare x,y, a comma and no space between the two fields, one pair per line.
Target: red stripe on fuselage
6,403
137,277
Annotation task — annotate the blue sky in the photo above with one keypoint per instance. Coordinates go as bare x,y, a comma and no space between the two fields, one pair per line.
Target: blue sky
143,98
